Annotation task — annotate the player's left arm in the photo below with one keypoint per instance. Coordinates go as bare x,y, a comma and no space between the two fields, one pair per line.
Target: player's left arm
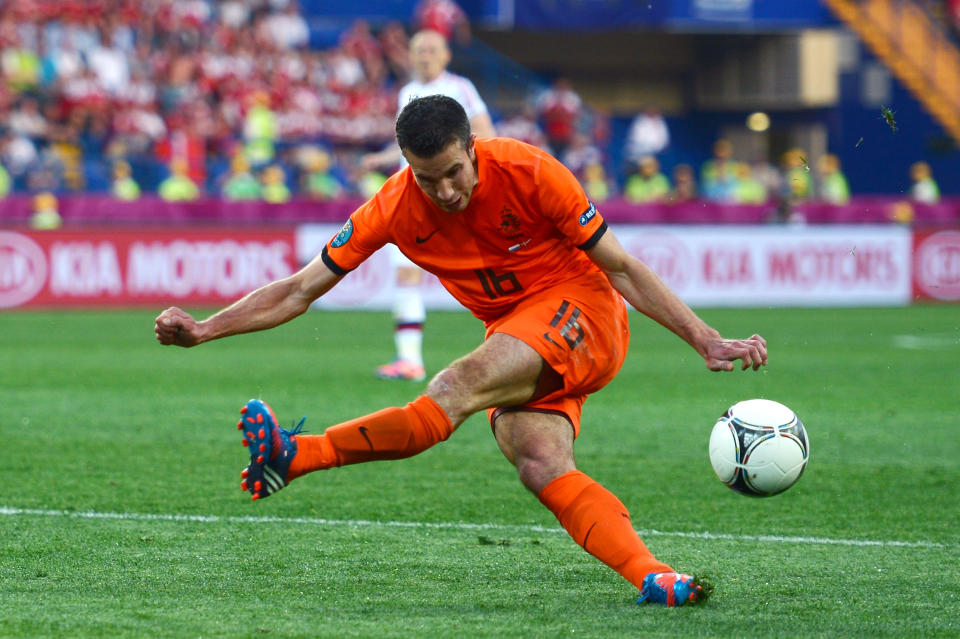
646,292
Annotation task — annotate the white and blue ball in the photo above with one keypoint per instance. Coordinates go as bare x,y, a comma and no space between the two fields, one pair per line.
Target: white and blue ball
759,447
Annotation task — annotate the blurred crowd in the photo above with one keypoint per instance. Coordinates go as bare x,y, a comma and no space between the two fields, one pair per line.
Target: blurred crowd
726,177
783,188
227,98
93,88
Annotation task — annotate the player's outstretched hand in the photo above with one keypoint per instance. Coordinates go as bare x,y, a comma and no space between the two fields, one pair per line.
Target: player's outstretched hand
175,326
721,353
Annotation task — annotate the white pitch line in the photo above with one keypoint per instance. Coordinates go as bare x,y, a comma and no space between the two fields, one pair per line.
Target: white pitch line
366,523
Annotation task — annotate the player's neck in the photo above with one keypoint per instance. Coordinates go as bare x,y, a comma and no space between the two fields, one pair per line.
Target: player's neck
425,80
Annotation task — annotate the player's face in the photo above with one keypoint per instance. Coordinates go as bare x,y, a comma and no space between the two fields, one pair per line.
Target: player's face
429,56
447,178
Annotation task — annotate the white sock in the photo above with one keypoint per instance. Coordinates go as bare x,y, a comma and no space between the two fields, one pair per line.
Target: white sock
409,313
409,342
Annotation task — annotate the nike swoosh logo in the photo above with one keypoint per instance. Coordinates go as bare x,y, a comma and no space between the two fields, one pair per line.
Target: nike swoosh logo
363,431
584,544
421,240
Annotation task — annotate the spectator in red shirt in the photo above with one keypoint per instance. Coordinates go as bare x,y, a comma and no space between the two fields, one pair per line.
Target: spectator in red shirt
560,109
184,144
359,43
396,50
445,17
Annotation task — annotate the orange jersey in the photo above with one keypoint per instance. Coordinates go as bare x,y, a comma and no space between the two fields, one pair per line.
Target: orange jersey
523,231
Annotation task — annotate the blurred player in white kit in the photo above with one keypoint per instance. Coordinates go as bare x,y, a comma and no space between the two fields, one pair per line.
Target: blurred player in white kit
429,57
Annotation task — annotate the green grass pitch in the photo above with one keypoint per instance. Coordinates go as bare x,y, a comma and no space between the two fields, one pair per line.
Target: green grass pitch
121,513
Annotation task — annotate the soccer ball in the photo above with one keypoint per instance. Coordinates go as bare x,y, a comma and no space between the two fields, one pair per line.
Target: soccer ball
759,447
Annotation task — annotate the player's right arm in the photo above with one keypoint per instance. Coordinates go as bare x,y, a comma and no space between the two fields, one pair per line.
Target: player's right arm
268,306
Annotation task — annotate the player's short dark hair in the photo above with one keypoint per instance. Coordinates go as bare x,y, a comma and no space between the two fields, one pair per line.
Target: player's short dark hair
428,125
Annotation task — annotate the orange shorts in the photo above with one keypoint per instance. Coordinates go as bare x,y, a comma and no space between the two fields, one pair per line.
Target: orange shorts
581,330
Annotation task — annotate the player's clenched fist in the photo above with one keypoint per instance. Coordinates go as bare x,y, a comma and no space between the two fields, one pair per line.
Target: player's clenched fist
752,352
175,326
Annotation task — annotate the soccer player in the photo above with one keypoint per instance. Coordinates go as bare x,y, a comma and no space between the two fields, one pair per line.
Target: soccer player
429,57
511,234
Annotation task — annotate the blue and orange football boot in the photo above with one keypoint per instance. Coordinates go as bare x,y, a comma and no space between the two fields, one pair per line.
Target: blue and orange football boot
271,449
673,589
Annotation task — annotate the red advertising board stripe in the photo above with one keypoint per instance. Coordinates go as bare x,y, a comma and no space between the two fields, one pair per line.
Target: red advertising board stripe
742,266
140,267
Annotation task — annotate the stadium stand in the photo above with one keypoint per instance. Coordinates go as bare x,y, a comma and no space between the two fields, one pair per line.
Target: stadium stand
91,85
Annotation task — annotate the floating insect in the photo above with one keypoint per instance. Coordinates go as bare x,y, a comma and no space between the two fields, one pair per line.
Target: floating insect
859,142
806,167
888,117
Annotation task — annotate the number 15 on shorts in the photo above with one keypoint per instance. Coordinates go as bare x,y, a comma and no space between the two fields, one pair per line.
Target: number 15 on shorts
570,330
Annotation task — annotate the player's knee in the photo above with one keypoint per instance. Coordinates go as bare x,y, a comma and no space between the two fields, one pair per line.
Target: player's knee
451,389
539,461
538,470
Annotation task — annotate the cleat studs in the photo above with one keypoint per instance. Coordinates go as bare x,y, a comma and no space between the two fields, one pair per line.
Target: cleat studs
259,418
244,442
250,436
243,410
255,497
262,433
263,448
244,473
257,486
243,485
240,425
251,420
259,459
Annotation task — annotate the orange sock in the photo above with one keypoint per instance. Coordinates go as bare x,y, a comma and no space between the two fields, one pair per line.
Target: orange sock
392,433
600,523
